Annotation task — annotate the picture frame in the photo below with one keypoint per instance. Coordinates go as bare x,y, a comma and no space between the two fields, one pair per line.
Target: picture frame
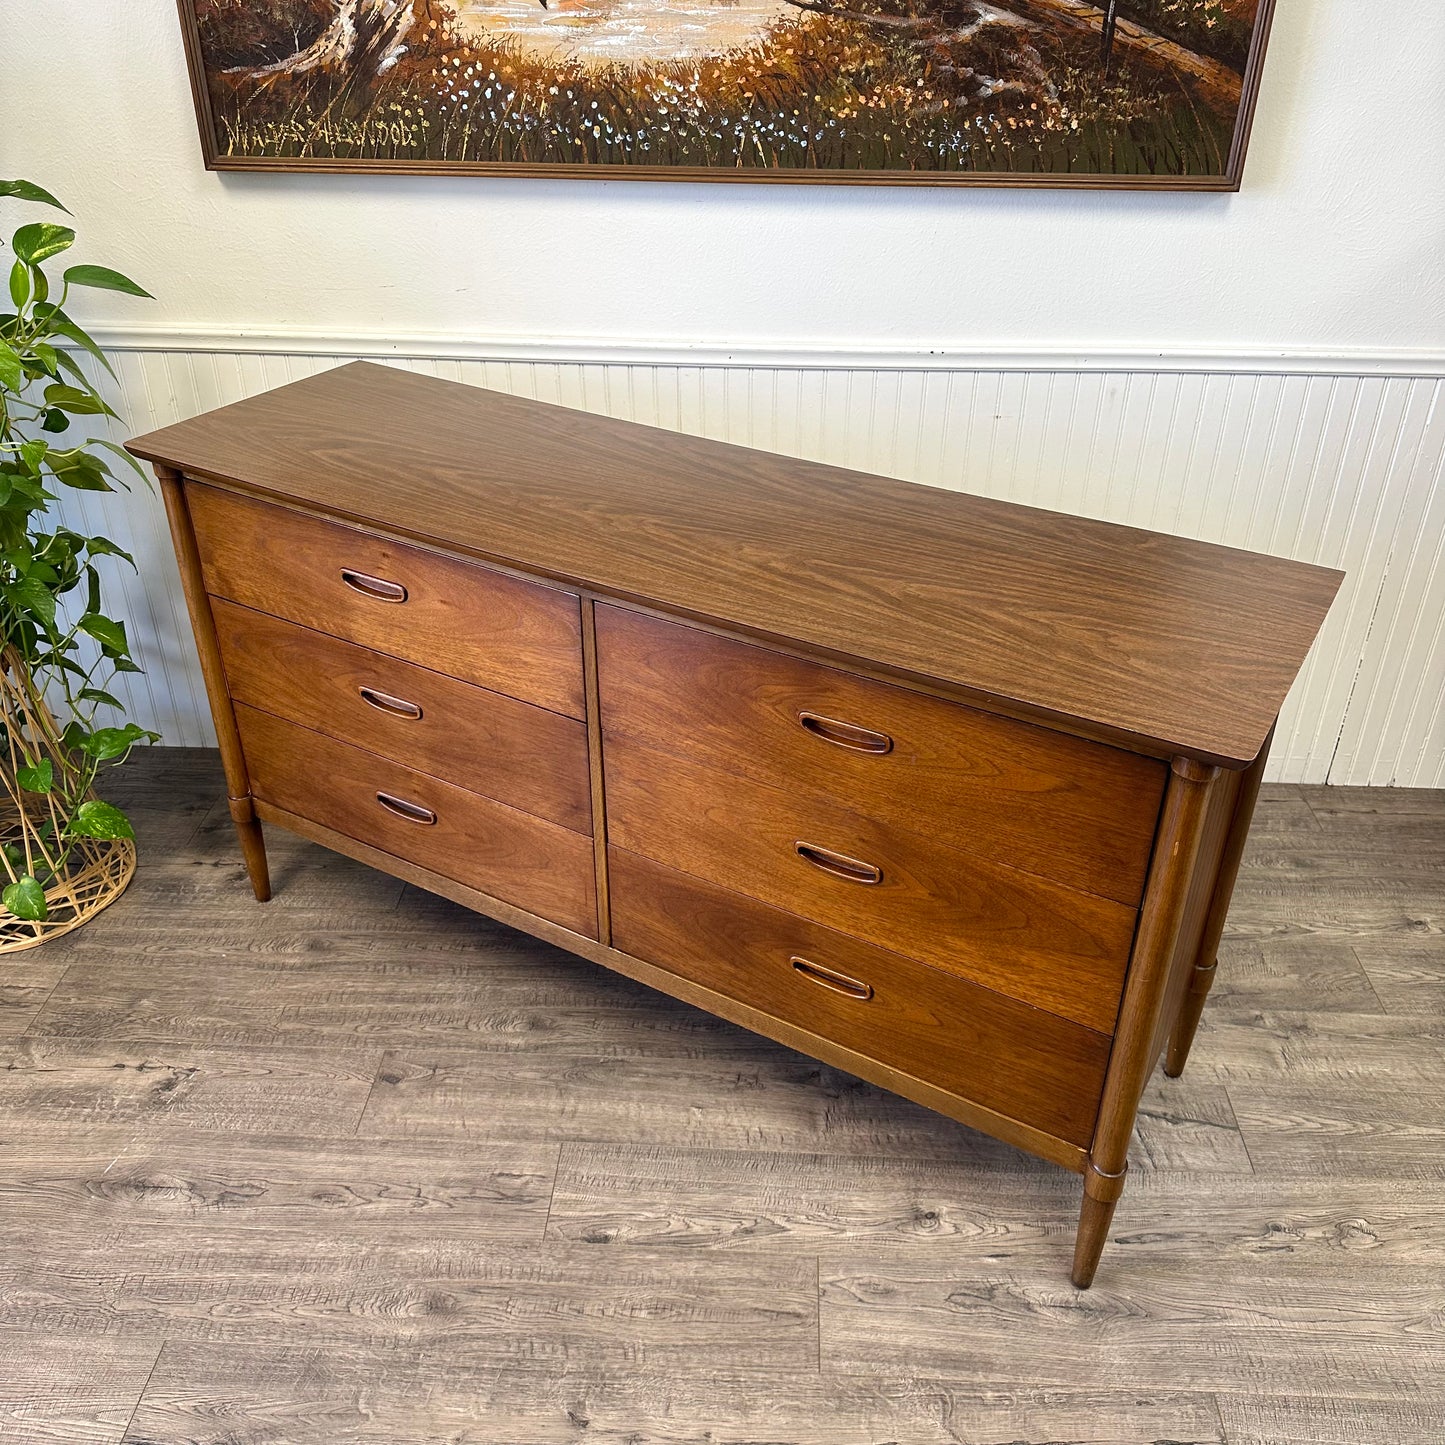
1025,93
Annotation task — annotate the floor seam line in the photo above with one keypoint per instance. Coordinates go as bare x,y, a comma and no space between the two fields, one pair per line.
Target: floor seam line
552,1197
140,1398
54,988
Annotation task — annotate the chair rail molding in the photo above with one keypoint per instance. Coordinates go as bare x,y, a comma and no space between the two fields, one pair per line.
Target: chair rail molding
766,354
1329,457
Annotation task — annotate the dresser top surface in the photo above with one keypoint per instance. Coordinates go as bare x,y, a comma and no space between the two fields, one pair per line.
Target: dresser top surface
1157,641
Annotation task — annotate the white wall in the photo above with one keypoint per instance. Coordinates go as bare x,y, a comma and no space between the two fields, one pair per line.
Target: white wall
1046,346
1336,242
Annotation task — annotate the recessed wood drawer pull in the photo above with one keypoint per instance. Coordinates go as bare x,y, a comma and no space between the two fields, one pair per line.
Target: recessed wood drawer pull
840,865
385,702
377,588
412,812
830,978
846,735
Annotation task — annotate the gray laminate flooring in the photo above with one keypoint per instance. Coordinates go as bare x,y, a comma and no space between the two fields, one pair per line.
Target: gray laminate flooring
358,1166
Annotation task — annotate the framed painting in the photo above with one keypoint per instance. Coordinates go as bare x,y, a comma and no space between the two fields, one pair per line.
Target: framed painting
1143,94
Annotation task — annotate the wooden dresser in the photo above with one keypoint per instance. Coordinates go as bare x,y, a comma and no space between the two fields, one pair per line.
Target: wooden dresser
947,792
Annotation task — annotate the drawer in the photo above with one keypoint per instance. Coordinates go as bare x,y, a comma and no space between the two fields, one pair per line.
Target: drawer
1026,937
519,754
522,860
1074,811
456,617
1020,1061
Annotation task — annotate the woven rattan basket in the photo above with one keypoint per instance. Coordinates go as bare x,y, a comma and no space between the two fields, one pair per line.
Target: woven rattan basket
97,870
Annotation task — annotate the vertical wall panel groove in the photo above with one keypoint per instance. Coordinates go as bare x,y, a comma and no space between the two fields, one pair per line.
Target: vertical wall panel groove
1347,471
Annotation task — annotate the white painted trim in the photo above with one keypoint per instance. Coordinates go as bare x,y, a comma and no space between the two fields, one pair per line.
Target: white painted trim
598,351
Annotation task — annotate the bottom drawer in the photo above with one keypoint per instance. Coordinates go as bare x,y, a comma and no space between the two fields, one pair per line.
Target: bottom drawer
525,861
1017,1060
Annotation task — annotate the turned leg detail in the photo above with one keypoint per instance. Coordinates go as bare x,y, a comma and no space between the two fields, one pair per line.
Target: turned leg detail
253,845
1101,1193
1190,1012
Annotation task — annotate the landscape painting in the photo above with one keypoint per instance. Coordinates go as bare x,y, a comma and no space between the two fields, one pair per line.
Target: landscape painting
1135,93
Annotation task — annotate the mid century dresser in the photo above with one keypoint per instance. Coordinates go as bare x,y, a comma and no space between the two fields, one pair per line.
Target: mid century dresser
947,792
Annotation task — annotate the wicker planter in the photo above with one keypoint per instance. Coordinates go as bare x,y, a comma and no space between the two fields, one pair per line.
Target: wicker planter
84,874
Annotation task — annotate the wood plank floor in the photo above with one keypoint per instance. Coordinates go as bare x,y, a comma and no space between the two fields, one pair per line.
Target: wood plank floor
358,1166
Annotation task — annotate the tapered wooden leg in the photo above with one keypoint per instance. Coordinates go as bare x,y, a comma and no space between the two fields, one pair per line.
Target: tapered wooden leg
1101,1194
1190,1012
208,648
253,846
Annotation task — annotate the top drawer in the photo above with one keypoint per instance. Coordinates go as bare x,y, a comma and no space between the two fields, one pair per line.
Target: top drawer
515,637
1077,812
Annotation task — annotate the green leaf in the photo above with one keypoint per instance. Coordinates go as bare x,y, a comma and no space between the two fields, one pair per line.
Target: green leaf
100,820
79,470
48,357
26,899
12,372
14,856
124,664
131,462
76,401
37,779
55,421
19,284
107,743
41,240
103,278
32,594
59,324
110,635
29,191
32,453
99,694
104,547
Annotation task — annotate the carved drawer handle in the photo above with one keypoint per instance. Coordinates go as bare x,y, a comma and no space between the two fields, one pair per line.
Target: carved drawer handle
840,865
846,735
385,702
377,588
412,812
831,978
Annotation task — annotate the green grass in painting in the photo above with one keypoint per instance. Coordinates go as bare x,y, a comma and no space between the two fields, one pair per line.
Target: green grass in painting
815,93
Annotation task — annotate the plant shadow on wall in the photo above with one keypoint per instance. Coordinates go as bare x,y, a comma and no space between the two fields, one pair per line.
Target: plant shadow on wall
65,852
1141,87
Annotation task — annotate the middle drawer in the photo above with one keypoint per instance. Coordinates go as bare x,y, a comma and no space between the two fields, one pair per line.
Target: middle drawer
484,741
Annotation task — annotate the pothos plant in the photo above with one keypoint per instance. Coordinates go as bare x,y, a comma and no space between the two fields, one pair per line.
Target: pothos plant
59,648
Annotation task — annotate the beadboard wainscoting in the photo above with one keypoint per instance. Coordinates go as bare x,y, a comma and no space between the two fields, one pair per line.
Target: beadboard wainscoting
1340,469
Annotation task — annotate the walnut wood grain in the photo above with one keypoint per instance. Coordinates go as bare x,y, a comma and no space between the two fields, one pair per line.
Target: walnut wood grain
527,861
474,623
1070,810
1032,940
1173,645
1018,1060
486,742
